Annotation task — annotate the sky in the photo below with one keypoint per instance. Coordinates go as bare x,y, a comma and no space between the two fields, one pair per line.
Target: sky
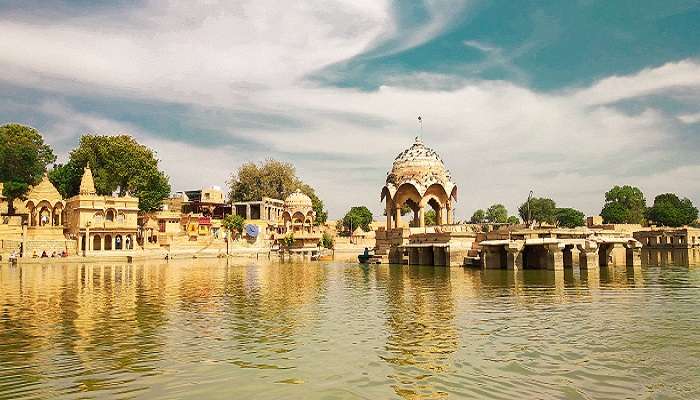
565,98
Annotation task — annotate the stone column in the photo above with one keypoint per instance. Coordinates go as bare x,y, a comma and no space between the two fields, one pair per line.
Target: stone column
421,217
450,214
515,258
397,216
555,257
413,258
588,256
388,211
634,255
247,211
490,258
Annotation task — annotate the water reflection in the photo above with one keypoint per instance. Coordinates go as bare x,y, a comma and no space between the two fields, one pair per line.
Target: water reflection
212,329
422,336
680,257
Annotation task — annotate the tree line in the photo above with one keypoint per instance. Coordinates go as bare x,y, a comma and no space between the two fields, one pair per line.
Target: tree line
120,164
623,205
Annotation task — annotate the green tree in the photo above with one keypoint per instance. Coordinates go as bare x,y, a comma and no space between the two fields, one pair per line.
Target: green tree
669,210
275,179
570,218
23,160
542,210
119,164
478,217
513,220
497,213
624,205
358,216
233,223
430,218
327,241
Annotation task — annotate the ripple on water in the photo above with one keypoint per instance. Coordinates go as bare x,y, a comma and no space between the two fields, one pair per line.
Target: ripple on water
208,329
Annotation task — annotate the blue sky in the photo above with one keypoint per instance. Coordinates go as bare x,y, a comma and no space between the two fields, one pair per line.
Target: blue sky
566,98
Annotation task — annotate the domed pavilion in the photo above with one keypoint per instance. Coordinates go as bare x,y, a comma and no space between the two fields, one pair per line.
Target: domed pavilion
419,180
298,214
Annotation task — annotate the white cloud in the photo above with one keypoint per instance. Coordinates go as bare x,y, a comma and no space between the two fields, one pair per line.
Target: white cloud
682,74
690,118
499,139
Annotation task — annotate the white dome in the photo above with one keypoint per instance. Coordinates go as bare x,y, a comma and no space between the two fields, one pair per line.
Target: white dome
298,200
421,166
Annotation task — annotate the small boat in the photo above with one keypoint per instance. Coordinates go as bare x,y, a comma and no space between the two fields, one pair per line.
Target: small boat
369,259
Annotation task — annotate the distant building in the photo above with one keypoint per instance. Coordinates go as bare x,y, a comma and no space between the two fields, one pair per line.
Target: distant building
669,238
101,223
210,202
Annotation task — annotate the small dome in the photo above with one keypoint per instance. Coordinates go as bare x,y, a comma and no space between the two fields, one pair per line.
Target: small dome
297,200
421,166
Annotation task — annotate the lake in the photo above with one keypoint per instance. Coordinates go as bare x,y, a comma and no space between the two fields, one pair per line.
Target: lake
218,329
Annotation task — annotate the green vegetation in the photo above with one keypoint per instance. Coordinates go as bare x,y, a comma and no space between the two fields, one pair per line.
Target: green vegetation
119,164
327,241
624,205
430,218
274,179
288,239
233,223
570,218
513,220
497,213
669,210
23,160
542,210
479,217
358,216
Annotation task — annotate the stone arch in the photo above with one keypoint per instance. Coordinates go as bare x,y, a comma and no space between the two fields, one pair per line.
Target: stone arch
118,242
44,216
31,207
404,192
108,242
437,192
128,242
98,217
96,242
298,220
110,215
386,194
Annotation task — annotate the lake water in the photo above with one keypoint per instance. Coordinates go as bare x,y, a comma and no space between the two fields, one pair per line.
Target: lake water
212,329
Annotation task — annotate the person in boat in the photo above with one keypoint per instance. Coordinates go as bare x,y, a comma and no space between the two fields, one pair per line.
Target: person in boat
366,253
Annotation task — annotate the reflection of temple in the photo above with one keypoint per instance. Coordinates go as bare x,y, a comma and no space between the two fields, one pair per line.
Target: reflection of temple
422,332
101,223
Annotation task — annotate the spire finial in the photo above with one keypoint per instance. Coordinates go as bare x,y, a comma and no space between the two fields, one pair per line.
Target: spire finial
420,122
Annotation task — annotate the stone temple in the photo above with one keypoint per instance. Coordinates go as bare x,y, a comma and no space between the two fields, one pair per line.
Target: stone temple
418,179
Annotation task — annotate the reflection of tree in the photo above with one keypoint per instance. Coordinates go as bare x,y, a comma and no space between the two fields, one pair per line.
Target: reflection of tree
18,367
422,332
81,328
266,306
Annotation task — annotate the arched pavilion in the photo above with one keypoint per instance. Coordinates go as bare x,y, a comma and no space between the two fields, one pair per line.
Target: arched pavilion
419,179
298,214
